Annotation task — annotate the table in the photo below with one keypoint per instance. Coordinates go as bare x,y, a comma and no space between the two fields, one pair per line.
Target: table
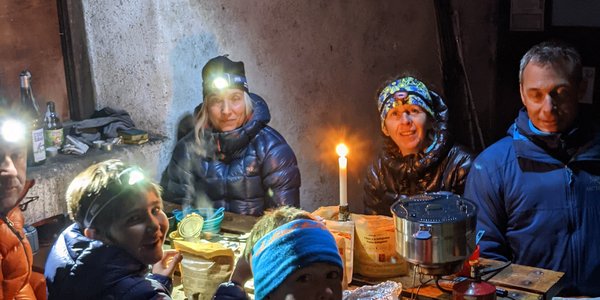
521,282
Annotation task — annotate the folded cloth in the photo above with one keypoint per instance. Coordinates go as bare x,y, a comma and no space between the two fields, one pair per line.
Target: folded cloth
104,124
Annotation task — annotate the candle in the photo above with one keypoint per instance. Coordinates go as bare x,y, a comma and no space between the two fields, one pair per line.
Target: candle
342,151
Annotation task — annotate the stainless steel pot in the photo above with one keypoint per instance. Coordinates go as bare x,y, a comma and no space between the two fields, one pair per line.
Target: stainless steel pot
435,231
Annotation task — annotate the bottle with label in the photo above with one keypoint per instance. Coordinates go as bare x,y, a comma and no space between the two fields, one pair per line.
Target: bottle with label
53,129
36,152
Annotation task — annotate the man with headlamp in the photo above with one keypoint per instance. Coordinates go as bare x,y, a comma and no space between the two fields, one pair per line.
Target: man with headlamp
232,158
16,260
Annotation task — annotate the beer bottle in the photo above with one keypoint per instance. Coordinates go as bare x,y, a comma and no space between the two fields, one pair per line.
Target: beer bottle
36,152
53,129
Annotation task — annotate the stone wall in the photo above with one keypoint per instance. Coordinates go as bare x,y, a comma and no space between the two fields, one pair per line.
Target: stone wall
52,178
316,63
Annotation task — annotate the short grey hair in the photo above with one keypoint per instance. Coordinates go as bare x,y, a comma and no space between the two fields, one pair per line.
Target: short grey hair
554,53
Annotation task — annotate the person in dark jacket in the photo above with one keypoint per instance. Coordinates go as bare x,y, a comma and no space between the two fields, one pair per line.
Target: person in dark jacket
419,155
538,189
118,232
232,159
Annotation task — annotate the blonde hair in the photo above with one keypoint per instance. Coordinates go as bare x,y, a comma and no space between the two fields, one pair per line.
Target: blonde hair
272,220
95,180
202,120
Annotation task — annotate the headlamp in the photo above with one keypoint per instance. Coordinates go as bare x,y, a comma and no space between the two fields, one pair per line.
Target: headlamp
226,80
220,83
126,180
12,131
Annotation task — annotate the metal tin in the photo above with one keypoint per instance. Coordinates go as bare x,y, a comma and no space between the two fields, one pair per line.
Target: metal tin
435,231
98,144
190,227
32,237
107,146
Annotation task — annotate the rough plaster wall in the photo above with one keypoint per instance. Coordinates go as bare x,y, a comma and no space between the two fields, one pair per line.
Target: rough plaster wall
52,189
317,64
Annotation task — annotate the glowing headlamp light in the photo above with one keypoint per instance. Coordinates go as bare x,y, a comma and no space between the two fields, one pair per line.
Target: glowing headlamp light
226,80
12,131
127,179
220,83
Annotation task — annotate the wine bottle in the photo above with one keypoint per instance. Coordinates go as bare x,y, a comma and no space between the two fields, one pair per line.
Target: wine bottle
53,129
36,152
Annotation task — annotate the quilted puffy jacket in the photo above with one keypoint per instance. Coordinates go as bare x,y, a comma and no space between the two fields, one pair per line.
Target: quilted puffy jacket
246,170
81,268
443,168
15,258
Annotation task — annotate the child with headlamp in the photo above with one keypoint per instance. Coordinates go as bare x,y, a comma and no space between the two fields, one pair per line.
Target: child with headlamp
118,232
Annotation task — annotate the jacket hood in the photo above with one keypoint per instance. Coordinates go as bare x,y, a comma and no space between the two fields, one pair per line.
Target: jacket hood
228,144
416,164
580,143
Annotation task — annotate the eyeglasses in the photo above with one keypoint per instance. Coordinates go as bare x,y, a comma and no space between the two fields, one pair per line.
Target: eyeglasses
125,180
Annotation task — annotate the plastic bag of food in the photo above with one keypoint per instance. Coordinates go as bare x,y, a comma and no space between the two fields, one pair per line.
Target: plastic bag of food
204,266
343,232
375,253
388,290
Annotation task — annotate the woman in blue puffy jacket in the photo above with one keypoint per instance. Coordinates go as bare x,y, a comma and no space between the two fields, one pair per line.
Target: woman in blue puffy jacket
232,159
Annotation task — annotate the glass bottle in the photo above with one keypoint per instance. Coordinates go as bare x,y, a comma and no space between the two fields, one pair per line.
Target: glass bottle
36,152
53,129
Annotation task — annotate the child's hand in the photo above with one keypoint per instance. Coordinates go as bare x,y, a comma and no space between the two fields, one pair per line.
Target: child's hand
166,266
242,271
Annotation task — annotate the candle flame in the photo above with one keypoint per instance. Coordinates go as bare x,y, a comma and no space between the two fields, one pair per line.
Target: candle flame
341,150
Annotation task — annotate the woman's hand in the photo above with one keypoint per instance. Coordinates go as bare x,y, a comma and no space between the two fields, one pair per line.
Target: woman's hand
166,266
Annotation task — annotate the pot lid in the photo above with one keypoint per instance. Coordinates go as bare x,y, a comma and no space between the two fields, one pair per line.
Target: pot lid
190,226
440,207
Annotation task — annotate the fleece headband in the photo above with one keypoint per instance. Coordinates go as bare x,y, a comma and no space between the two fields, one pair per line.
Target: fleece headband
407,90
288,248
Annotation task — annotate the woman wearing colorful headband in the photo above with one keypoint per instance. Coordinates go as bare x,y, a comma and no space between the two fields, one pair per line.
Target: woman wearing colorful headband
118,232
232,159
419,155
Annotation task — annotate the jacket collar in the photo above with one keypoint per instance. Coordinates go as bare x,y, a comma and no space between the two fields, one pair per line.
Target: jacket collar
531,144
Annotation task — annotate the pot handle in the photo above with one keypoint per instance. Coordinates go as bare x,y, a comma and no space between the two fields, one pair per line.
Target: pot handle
423,233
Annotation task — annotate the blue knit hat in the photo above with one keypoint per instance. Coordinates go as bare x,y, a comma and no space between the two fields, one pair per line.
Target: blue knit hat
288,248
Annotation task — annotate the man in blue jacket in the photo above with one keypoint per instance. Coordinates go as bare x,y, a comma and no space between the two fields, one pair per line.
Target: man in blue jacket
538,189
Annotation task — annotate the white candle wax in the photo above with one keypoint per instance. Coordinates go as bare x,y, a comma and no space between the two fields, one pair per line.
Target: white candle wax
343,162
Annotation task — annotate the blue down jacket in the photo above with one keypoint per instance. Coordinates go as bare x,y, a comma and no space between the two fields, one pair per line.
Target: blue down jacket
80,268
246,170
539,211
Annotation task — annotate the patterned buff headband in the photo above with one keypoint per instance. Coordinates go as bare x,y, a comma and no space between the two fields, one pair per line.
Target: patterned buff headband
407,90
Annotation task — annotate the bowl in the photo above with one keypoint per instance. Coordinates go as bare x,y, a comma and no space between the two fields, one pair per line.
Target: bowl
212,218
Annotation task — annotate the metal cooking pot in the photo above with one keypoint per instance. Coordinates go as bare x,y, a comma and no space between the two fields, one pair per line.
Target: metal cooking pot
435,231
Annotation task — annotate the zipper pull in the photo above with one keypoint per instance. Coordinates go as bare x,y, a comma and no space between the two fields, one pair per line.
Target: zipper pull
570,174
